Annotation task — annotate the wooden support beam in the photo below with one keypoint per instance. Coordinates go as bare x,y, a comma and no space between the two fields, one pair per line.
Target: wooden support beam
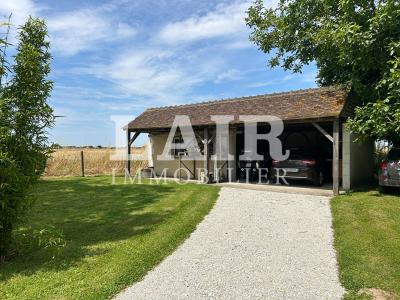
327,135
227,170
180,167
199,137
205,143
128,151
130,141
187,168
134,138
210,140
232,148
335,161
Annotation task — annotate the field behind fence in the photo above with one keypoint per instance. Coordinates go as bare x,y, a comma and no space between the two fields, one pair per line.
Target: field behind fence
67,162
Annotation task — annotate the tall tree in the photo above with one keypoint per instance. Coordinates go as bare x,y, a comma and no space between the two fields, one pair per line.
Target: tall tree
353,42
25,117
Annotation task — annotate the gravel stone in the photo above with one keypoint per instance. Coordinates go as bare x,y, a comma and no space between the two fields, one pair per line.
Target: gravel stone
252,245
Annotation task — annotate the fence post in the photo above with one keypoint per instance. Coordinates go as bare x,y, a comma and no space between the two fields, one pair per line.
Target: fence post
82,165
180,167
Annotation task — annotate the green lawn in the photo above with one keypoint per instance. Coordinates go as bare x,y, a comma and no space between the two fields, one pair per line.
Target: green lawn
114,234
367,240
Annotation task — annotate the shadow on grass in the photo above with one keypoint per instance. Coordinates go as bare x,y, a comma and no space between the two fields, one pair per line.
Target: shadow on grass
88,213
379,192
390,191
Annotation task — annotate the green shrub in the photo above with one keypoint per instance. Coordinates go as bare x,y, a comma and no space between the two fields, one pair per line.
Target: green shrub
25,117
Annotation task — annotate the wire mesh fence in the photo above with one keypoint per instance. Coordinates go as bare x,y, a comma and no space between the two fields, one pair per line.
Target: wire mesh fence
68,162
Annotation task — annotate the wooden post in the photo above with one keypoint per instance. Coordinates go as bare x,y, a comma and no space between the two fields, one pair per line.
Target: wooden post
335,161
320,129
205,140
180,167
232,147
128,150
129,143
82,165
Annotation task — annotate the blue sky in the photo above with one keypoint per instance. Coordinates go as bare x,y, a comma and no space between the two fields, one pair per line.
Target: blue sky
121,57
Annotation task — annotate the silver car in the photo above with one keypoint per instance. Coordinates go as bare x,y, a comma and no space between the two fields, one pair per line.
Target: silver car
389,170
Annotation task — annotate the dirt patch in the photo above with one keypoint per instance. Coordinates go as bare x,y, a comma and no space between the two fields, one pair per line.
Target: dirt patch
377,294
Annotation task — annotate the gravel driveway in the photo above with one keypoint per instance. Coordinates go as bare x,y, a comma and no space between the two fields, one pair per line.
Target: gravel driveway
252,245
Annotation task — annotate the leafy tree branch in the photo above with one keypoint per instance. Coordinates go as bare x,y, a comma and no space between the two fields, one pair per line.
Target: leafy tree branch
353,43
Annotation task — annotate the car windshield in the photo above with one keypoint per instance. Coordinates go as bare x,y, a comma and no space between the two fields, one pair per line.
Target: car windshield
394,154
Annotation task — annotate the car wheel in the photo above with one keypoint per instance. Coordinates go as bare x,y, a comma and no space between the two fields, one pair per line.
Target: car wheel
319,181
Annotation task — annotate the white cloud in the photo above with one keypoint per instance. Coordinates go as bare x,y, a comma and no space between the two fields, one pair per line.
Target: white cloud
72,31
229,75
163,76
20,10
85,29
145,72
225,20
307,77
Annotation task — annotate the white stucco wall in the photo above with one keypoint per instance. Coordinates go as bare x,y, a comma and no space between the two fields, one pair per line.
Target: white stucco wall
149,147
158,141
358,160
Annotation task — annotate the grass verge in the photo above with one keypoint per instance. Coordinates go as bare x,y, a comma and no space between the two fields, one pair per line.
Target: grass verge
114,235
367,241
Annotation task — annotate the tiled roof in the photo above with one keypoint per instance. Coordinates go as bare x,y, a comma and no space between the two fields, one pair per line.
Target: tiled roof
310,104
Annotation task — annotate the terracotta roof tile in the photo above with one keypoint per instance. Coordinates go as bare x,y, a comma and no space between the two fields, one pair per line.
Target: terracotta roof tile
296,105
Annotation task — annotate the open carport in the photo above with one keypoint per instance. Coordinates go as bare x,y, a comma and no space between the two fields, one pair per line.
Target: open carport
313,119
